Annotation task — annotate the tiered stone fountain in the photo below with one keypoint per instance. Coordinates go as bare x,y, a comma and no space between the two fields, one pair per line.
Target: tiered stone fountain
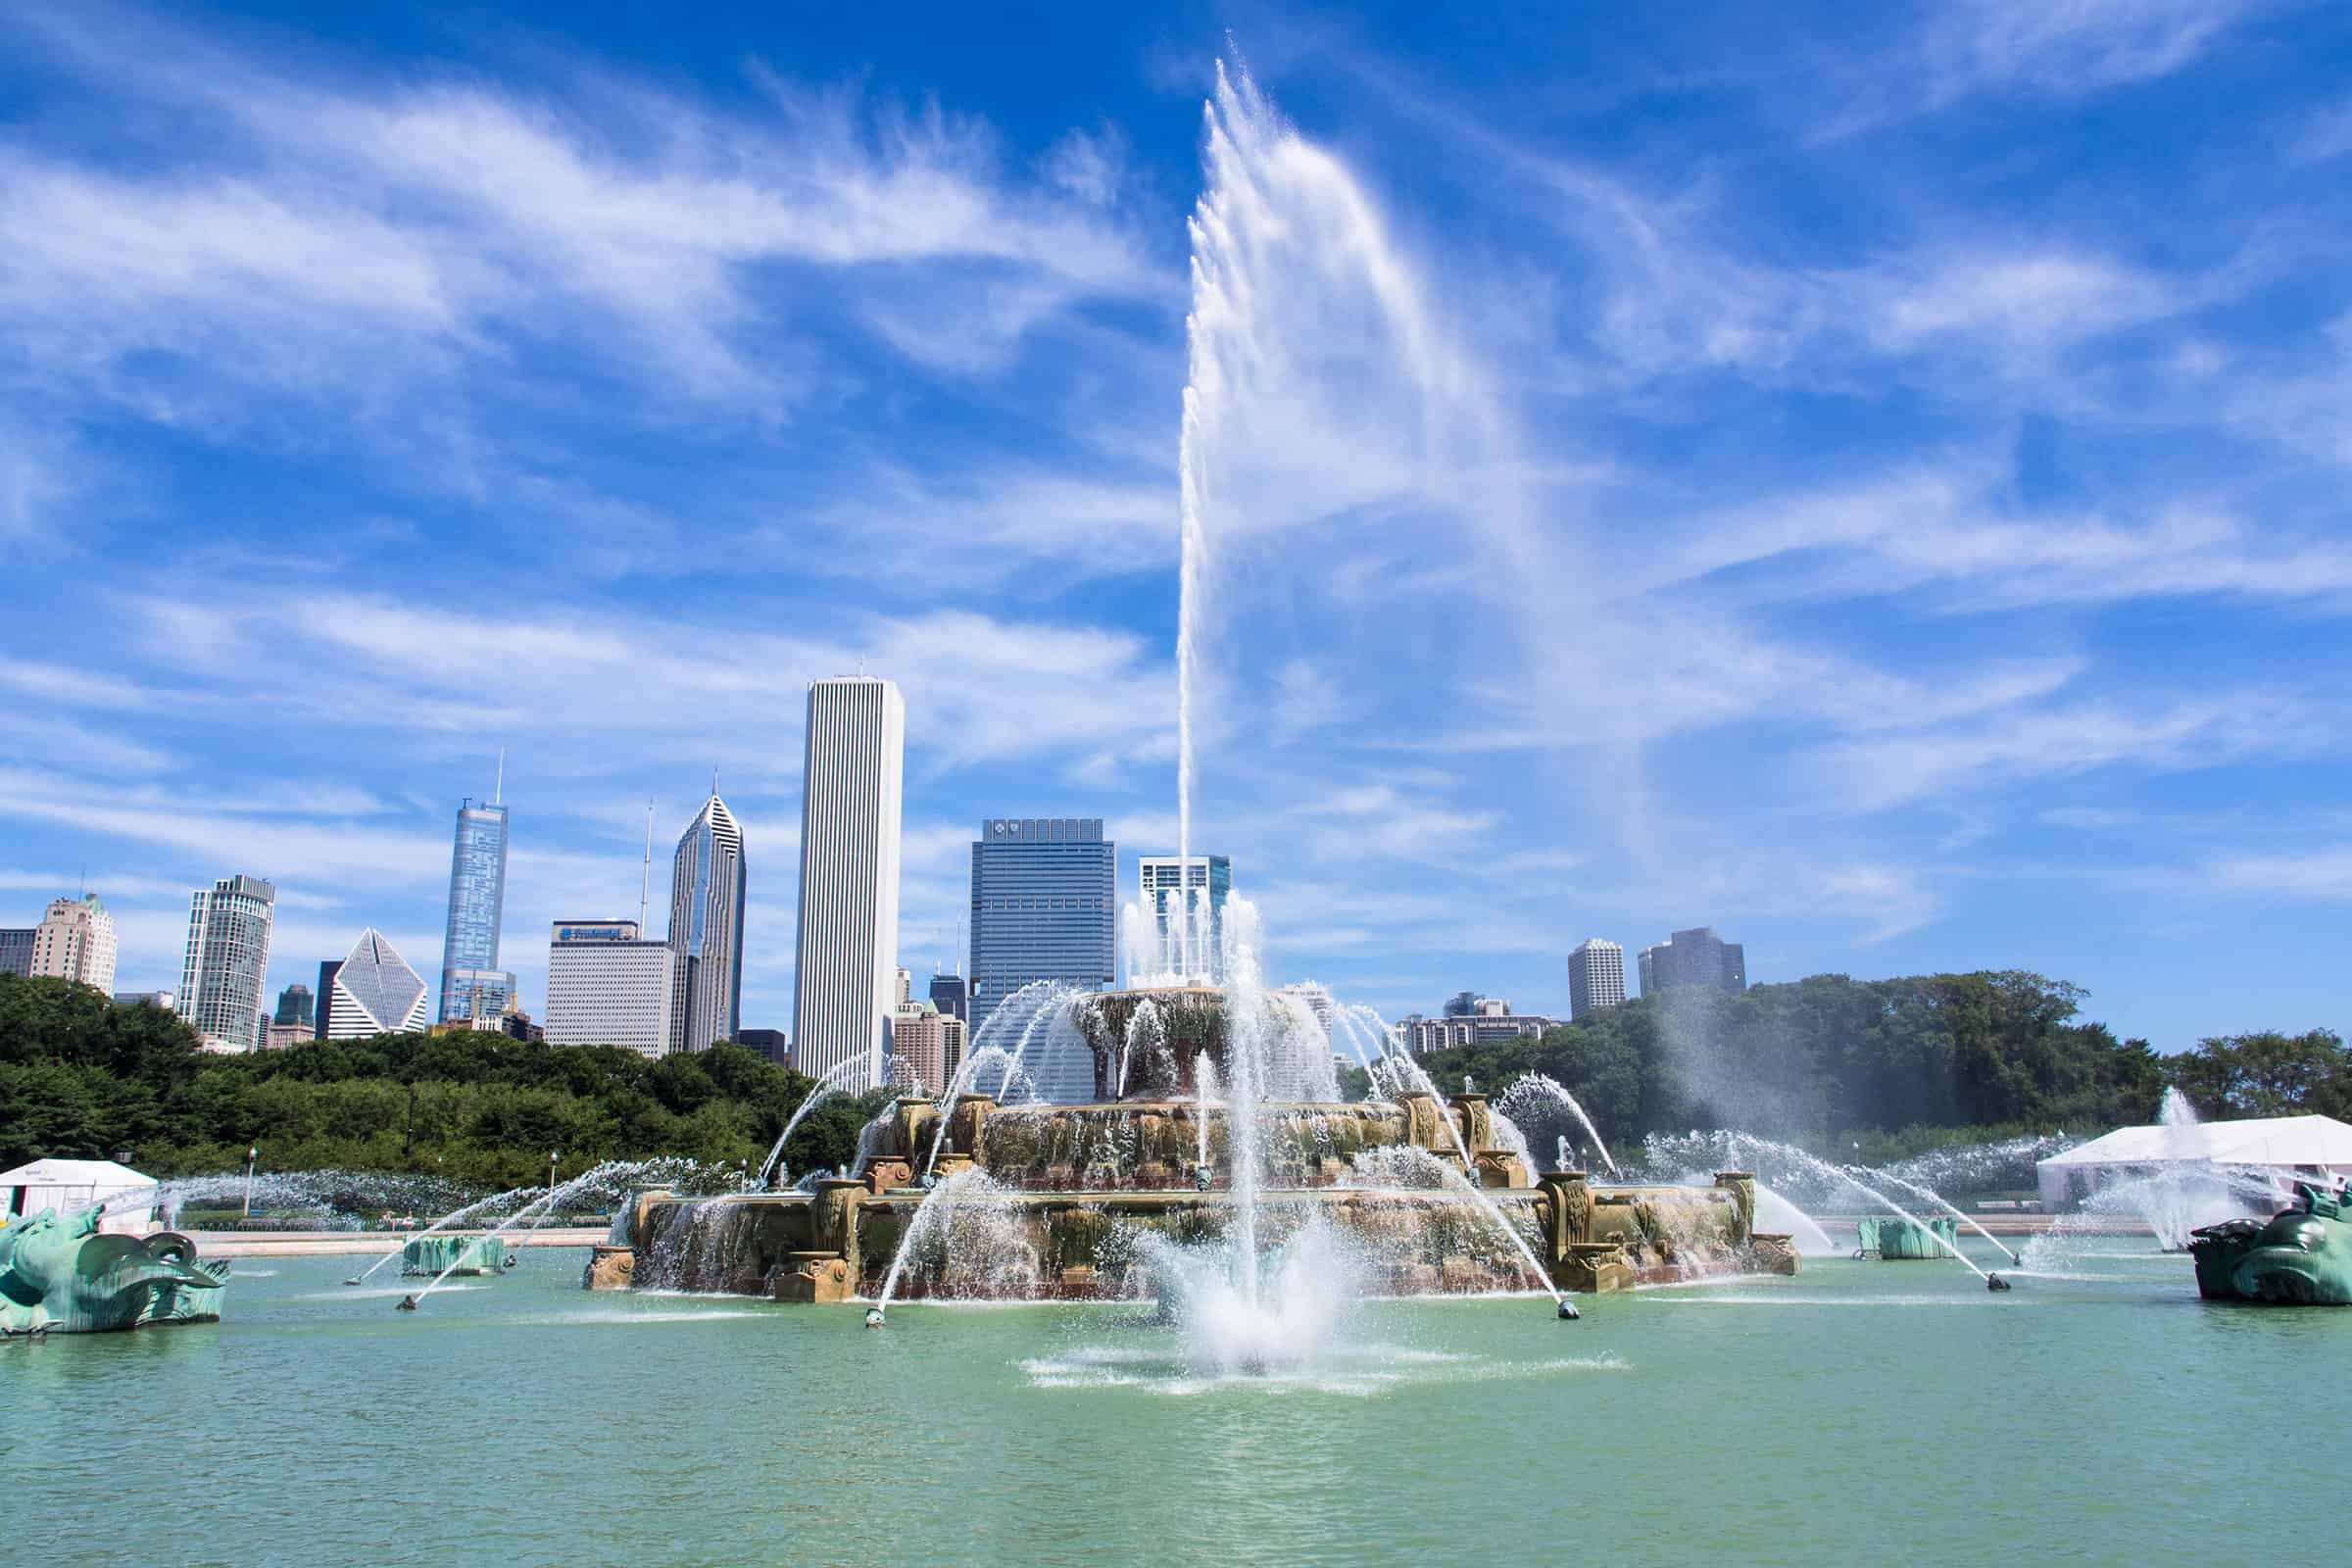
1059,1197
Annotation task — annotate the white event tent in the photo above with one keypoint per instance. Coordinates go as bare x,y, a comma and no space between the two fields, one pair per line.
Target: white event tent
2279,1147
71,1184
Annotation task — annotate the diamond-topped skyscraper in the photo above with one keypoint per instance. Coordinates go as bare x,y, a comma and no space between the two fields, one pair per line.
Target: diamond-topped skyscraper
375,992
846,978
473,986
706,883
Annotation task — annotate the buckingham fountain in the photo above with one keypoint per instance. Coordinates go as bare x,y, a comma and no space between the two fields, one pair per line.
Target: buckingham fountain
1214,1146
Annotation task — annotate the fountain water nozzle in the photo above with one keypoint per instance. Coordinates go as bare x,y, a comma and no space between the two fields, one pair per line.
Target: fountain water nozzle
1994,1281
1568,1311
873,1318
1201,1175
354,1280
408,1304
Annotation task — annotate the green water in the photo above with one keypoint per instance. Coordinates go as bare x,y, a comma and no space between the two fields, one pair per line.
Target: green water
1860,1412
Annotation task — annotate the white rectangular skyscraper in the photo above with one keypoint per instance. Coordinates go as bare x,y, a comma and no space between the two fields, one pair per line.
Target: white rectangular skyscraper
608,986
1595,976
847,954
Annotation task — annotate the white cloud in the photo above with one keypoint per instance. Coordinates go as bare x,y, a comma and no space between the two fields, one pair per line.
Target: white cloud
2027,300
2321,874
2204,731
2066,46
335,232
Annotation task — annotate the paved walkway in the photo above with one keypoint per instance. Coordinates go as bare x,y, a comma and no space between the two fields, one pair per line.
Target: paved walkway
332,1243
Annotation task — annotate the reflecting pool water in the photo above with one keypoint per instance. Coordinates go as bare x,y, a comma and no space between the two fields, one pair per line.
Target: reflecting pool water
1860,1411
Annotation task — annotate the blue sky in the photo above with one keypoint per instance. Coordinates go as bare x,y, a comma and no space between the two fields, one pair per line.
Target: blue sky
1872,483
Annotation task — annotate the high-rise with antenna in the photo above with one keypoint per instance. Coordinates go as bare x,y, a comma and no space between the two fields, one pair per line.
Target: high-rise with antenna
473,988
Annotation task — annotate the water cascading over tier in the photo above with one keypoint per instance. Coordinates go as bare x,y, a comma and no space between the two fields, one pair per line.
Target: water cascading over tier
1043,1201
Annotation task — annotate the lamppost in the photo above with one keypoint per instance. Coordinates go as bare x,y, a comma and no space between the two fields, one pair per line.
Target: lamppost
551,1172
251,1155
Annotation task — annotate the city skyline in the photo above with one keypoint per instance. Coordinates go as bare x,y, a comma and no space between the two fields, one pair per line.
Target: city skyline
1946,577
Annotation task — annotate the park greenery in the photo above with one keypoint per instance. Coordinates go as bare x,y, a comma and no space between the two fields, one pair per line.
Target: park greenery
82,1076
1873,1069
1881,1069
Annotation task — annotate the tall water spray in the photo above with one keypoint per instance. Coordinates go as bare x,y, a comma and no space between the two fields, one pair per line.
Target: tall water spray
1299,303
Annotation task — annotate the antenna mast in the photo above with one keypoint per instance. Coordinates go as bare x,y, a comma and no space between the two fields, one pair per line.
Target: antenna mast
645,887
497,791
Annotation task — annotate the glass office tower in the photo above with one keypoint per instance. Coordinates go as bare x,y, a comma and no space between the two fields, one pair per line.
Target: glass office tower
473,986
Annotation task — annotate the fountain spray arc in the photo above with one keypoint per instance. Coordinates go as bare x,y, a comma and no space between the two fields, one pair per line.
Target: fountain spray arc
443,1224
831,1084
615,1175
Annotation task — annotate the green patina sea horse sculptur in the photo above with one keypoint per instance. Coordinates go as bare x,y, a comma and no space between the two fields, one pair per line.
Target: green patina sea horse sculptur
60,1274
2302,1257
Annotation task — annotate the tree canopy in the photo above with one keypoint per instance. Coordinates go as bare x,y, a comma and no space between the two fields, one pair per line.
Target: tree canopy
1887,1064
84,1077
2266,1074
1834,1058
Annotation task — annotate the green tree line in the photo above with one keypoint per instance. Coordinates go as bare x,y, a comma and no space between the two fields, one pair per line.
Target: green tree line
2266,1074
1887,1066
84,1077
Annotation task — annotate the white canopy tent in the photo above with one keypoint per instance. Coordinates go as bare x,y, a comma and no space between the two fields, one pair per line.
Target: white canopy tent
71,1184
2281,1146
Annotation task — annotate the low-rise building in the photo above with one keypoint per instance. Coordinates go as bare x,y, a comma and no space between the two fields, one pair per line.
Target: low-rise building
1484,1018
926,1046
294,1006
776,1045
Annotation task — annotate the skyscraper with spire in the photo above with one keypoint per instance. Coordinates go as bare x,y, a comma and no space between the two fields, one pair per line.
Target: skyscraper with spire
706,929
473,988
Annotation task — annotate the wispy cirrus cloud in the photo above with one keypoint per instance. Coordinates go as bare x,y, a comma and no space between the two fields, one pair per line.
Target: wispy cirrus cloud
423,225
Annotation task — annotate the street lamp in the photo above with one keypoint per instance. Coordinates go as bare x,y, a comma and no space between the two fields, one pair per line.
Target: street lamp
551,1172
251,1155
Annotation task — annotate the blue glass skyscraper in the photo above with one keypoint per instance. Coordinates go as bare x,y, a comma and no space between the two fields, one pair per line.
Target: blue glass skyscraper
473,986
1045,907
